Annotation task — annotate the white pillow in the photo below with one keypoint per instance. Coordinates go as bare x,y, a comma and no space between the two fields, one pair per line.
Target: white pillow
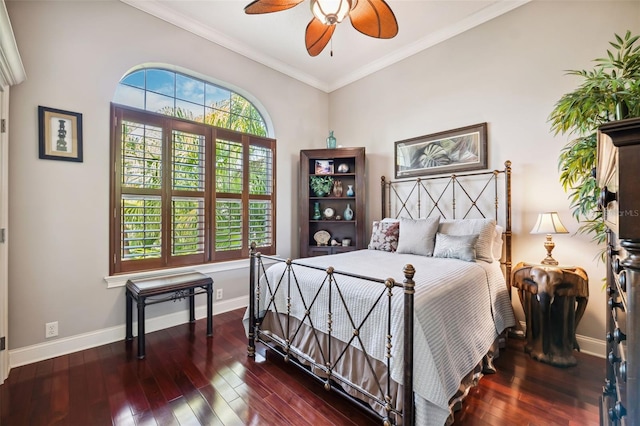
461,247
417,236
497,243
484,228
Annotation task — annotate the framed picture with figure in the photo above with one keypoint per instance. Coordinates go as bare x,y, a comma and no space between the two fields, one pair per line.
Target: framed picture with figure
60,134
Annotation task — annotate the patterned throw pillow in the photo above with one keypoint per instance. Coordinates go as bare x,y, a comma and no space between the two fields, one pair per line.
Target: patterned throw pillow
384,236
461,247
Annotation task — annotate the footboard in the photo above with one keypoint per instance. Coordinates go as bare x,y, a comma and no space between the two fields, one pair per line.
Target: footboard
321,329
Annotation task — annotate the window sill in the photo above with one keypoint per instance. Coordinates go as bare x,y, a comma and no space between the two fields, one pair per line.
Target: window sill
115,281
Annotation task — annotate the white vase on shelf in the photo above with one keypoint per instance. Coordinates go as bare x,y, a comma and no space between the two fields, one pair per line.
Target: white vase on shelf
348,213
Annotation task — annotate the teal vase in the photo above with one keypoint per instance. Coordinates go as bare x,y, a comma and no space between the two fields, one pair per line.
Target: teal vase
331,140
348,213
350,191
316,211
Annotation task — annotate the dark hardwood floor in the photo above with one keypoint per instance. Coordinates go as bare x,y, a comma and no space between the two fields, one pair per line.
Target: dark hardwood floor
188,379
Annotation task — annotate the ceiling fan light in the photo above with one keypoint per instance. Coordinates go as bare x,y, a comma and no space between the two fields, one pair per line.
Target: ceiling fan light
330,12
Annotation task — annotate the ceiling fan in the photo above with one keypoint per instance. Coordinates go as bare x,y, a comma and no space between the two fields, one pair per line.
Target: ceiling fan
371,17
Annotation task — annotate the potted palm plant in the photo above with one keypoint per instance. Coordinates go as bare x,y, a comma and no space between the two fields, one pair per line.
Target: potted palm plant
611,91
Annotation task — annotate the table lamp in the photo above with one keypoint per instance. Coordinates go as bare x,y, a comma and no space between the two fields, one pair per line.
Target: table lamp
549,223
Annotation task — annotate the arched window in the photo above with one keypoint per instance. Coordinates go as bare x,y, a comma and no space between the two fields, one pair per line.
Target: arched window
182,96
192,173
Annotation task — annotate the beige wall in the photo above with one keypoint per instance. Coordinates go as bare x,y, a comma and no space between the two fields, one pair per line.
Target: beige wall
507,72
74,54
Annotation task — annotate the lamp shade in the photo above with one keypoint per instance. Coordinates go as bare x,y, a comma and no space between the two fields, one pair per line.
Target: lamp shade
549,223
330,12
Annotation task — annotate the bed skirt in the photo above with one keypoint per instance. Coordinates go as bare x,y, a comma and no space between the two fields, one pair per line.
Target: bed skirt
352,373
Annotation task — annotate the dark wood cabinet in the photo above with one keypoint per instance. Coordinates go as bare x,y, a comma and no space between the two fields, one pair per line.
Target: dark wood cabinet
344,165
617,175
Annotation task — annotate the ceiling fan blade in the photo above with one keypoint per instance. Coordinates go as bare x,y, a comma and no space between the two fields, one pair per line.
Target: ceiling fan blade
317,36
268,6
374,18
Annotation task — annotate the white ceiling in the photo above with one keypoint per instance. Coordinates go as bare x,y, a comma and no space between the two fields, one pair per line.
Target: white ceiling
277,39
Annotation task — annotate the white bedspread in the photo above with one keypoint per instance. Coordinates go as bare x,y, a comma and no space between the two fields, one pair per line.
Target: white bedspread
460,308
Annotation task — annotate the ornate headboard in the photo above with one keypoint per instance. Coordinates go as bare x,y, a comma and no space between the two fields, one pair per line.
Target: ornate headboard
458,196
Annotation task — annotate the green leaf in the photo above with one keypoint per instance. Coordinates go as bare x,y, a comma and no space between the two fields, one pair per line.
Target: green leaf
614,79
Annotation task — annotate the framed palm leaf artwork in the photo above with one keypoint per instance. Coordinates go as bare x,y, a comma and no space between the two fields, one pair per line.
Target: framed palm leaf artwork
457,150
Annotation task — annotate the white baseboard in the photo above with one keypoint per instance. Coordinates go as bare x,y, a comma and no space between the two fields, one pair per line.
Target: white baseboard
42,351
591,346
588,345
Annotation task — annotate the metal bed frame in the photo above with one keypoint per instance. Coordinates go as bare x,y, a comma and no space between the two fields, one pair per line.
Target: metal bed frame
427,203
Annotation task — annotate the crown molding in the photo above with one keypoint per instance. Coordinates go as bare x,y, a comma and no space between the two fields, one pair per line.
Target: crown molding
11,68
159,10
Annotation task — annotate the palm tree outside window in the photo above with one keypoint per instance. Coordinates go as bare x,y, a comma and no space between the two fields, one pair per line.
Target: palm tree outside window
192,173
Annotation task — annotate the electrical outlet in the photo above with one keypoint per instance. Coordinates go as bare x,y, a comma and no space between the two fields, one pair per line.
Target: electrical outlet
219,294
51,329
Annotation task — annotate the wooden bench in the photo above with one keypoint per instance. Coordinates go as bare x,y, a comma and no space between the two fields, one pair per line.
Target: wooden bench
158,289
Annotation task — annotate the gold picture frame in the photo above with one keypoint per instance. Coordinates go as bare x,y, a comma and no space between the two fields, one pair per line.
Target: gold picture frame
60,134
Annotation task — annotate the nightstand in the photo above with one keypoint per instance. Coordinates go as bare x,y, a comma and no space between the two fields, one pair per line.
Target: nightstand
554,299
